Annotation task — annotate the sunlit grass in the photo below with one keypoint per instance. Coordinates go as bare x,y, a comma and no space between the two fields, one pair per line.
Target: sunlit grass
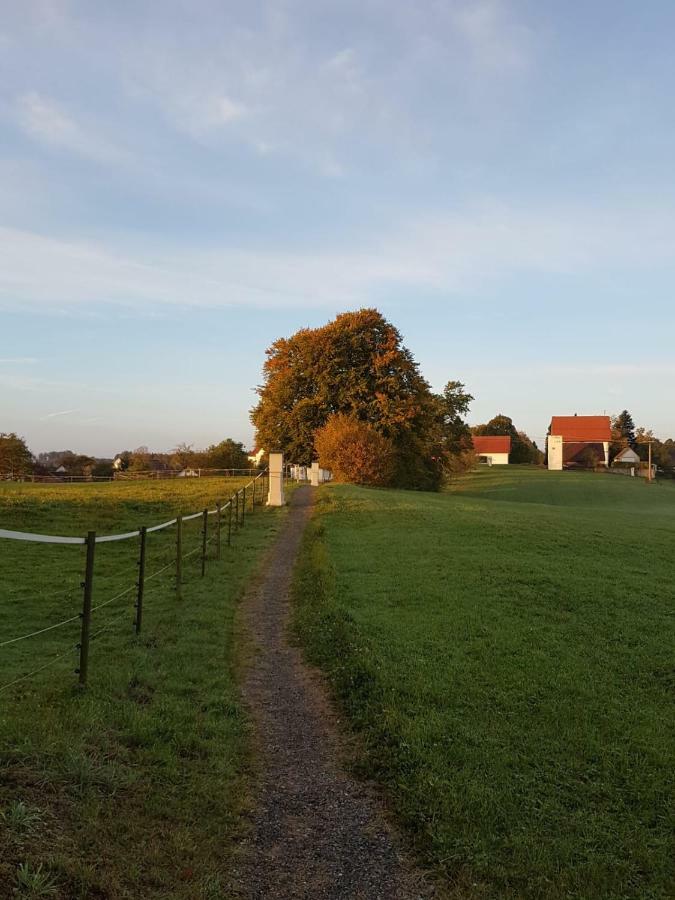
134,787
506,651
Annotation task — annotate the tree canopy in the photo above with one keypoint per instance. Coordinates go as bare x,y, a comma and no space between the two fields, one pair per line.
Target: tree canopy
15,457
355,365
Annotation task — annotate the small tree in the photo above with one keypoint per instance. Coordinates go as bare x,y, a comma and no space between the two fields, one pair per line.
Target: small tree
355,452
15,457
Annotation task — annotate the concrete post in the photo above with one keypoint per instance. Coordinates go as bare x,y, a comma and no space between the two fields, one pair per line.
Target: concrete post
605,447
314,474
275,495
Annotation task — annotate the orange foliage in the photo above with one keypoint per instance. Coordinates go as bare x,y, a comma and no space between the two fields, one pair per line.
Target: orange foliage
354,451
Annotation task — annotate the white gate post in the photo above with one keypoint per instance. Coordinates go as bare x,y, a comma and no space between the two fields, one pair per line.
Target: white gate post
275,495
314,474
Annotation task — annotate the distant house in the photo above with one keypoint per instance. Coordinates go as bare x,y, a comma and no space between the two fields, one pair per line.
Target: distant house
118,464
492,450
626,457
61,470
574,441
255,456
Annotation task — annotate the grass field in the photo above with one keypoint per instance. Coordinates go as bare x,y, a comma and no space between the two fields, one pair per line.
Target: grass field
505,650
134,787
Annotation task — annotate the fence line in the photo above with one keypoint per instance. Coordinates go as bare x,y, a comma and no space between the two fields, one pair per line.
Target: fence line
236,502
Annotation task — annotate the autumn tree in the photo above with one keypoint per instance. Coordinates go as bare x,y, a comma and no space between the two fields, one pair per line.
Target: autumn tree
355,452
355,365
15,457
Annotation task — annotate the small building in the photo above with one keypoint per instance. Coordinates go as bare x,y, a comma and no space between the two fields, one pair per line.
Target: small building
577,441
627,457
61,470
492,450
255,456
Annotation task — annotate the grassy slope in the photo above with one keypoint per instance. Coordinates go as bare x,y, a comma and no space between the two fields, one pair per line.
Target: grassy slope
136,785
506,651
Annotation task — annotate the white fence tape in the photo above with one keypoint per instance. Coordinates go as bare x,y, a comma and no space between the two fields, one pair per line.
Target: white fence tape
39,538
163,525
106,538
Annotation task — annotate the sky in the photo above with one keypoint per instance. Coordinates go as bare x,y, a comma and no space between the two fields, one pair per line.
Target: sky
182,183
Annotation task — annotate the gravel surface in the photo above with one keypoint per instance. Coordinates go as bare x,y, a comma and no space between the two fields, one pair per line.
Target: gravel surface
316,831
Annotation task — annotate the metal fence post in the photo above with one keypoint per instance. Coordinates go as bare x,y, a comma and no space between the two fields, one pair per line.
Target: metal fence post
141,580
218,530
88,585
205,525
179,556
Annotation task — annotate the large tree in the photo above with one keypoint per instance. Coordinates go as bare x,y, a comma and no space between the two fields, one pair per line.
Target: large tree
15,457
355,365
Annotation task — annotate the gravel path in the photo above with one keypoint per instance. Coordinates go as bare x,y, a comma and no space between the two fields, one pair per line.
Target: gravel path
316,832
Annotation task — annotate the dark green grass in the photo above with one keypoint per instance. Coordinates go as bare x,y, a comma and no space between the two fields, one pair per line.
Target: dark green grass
506,651
135,787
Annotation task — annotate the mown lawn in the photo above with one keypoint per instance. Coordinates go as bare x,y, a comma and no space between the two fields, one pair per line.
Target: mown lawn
135,787
506,651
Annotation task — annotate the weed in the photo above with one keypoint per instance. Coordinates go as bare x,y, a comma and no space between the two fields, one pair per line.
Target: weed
34,882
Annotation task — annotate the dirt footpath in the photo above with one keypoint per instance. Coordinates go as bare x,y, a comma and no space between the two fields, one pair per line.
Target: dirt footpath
316,831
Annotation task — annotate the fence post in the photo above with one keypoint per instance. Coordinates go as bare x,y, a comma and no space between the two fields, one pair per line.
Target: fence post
88,585
179,556
253,501
229,523
243,506
218,530
205,525
141,581
236,517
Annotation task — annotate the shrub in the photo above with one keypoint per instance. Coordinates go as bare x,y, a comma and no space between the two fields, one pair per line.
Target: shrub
354,451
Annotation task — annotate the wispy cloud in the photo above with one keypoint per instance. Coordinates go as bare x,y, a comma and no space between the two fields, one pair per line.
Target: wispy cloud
18,360
459,253
44,120
63,412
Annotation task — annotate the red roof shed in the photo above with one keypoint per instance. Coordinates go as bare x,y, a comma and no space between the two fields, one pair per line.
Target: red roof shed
487,443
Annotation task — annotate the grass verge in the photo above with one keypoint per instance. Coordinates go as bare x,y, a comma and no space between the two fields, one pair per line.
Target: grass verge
135,787
505,651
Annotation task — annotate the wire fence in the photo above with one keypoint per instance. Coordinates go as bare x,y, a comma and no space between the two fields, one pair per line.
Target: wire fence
230,516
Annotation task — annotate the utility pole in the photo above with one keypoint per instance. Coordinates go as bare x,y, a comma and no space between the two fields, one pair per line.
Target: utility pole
650,461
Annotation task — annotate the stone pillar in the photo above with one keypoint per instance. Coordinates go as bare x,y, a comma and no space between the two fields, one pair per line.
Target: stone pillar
605,447
275,496
314,474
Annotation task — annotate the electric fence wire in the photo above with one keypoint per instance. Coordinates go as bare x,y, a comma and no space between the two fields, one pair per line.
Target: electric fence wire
46,665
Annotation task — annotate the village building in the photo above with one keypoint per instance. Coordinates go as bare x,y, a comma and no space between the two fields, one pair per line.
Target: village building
492,450
255,456
574,441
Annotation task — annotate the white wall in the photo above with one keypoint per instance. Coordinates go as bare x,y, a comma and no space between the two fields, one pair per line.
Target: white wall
498,459
555,452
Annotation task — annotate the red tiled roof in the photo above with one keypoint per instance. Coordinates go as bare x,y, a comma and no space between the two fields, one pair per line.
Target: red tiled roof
487,443
582,428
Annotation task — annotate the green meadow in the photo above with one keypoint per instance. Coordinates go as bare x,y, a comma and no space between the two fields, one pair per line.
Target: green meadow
136,786
505,652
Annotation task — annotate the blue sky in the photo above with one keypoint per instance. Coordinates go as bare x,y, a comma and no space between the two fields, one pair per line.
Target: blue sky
181,183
